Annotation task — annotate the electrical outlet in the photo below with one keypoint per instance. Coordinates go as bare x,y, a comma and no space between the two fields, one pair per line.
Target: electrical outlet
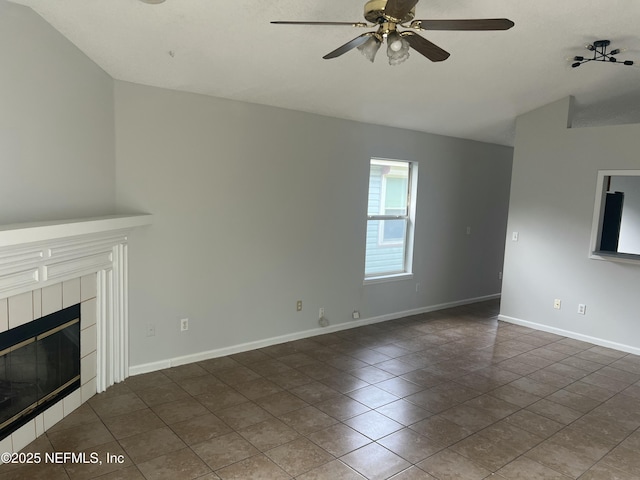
355,315
417,287
557,303
582,309
151,330
299,306
184,324
515,236
321,312
499,275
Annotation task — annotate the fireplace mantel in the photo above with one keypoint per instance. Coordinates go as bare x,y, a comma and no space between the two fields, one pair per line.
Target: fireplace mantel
35,255
38,255
21,233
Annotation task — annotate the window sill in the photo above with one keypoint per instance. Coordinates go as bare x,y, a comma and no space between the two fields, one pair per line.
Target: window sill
388,278
616,257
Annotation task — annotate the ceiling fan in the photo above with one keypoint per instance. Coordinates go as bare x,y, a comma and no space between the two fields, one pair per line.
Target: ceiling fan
387,15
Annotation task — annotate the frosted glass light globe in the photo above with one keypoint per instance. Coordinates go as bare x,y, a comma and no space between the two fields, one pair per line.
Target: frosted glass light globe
396,45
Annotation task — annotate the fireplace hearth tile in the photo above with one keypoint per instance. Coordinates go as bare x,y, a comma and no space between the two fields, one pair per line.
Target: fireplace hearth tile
20,309
51,299
88,340
72,401
89,366
24,435
88,287
88,310
6,445
39,421
88,390
53,415
70,292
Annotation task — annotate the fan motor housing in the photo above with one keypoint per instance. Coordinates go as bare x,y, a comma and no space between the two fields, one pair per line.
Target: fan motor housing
374,12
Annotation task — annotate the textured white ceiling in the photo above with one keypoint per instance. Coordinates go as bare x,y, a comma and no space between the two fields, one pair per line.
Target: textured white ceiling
229,49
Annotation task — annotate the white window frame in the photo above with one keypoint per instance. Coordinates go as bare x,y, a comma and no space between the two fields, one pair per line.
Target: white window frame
412,182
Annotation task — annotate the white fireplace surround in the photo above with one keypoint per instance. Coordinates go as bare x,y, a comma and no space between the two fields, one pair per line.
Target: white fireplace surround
34,256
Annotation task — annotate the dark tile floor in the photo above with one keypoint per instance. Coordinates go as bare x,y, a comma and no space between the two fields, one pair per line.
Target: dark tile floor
451,395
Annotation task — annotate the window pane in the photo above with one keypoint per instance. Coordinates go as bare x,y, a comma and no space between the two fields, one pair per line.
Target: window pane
395,195
393,231
382,258
388,187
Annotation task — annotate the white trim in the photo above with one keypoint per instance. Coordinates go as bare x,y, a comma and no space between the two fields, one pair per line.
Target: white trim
267,342
567,333
616,257
598,213
396,277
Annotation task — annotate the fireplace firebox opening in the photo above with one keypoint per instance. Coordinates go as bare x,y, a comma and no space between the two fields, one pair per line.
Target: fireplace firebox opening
39,365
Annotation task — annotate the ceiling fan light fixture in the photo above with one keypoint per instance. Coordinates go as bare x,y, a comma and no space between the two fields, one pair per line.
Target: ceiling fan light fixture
397,48
152,2
387,16
370,48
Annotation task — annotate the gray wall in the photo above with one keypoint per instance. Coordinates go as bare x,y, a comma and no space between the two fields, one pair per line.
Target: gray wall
56,124
552,199
256,207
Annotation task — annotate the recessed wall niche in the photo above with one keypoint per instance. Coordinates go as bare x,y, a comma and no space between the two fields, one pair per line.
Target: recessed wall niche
615,233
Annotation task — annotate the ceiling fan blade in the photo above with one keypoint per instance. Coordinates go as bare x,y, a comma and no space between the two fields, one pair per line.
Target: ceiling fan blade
475,24
425,47
356,42
399,8
349,24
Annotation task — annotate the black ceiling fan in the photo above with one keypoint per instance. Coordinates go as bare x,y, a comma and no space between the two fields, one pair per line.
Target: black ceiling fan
387,15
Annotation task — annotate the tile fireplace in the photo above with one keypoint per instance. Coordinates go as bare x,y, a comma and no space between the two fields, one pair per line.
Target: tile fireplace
75,268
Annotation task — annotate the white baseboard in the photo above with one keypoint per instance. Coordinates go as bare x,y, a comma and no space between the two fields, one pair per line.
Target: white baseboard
566,333
267,342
